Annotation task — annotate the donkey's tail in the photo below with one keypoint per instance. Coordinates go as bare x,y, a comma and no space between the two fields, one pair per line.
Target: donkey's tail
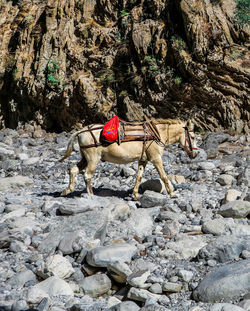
70,145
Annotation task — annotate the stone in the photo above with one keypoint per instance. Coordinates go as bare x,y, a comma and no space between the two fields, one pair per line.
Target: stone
77,241
225,180
225,307
245,304
139,223
127,171
15,183
238,209
112,301
104,255
80,205
55,265
185,247
244,177
125,306
214,226
17,247
206,166
12,207
139,294
171,287
20,278
53,286
173,216
225,248
155,185
211,140
19,305
119,271
92,223
31,161
171,228
138,278
232,195
151,199
185,275
16,213
155,288
227,282
96,285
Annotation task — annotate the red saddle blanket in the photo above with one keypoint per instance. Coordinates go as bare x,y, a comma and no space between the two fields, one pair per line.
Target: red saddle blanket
110,130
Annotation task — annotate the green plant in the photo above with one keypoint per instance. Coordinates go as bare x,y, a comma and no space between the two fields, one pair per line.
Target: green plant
15,71
29,18
236,53
124,13
243,12
151,64
177,80
107,78
118,37
12,105
53,78
123,93
169,72
178,43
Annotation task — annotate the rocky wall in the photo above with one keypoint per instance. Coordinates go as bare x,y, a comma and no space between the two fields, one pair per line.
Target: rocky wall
68,62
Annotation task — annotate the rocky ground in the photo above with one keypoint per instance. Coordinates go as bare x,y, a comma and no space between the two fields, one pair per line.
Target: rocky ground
108,252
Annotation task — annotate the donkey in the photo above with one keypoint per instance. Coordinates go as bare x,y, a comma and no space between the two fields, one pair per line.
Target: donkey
92,151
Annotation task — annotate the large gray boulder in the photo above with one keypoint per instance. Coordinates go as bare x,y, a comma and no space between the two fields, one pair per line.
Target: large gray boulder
225,248
93,224
237,209
225,283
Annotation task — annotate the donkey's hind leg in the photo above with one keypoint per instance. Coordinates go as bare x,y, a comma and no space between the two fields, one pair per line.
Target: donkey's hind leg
73,172
89,172
141,168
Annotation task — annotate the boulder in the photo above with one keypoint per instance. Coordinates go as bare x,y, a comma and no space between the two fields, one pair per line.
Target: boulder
224,283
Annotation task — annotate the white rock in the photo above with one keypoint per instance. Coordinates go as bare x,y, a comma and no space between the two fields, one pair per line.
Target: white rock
139,223
138,278
14,214
141,295
186,247
232,195
53,286
225,180
59,266
15,183
104,255
36,295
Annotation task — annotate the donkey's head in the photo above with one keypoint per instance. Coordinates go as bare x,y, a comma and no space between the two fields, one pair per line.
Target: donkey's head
188,141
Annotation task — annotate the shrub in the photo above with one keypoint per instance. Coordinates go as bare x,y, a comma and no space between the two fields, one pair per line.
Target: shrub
242,12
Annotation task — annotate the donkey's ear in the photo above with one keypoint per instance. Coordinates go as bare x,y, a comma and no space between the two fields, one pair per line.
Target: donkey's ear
190,125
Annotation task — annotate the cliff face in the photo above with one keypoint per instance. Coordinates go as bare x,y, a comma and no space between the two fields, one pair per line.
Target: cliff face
69,61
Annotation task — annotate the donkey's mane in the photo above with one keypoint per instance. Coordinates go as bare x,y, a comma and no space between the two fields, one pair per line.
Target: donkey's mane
167,121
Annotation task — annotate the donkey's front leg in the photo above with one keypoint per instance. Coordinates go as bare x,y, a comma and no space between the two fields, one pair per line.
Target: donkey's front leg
159,166
141,168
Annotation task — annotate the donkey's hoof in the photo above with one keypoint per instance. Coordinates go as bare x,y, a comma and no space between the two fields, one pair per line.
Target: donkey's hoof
173,195
136,197
65,192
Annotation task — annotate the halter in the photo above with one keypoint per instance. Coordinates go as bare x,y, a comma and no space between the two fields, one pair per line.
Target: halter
188,142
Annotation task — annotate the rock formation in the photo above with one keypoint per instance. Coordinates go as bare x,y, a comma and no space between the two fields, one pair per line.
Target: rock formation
68,62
